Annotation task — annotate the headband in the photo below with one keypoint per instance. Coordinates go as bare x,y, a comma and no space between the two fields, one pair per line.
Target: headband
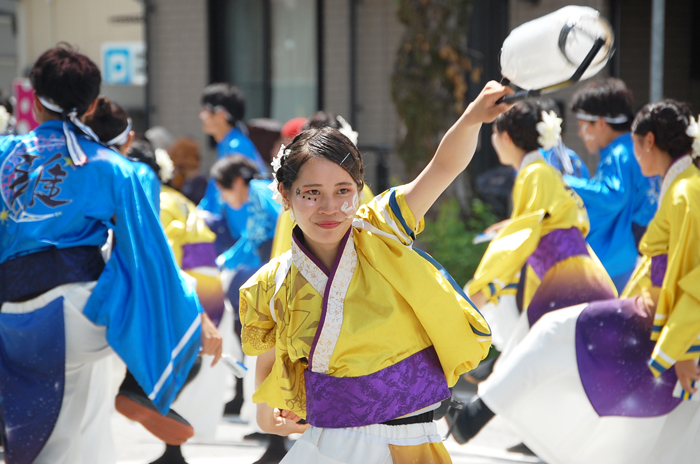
76,152
122,138
619,119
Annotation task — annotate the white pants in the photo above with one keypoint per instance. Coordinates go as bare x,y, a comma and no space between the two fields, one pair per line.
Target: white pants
86,345
202,400
358,445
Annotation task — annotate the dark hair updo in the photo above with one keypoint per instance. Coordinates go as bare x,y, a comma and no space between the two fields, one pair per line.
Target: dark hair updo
142,151
520,122
322,119
108,120
68,78
327,143
668,121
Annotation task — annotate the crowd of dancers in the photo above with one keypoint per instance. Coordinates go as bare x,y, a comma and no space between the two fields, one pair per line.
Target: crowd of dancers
113,242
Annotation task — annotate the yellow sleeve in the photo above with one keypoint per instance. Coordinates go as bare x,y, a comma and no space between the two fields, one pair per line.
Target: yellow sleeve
640,280
258,334
389,214
282,241
541,204
507,253
178,215
679,298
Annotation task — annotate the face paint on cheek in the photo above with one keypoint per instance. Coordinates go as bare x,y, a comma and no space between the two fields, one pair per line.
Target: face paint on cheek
298,191
586,136
350,210
305,200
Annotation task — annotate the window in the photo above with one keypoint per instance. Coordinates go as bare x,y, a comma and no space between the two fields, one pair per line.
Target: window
269,48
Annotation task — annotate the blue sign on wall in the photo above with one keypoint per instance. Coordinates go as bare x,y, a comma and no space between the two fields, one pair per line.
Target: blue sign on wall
124,63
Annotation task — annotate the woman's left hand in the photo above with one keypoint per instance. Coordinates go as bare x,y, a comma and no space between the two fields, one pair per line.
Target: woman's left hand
687,371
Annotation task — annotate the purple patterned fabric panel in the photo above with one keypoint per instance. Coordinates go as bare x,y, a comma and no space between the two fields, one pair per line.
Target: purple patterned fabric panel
613,347
198,255
658,269
556,246
407,386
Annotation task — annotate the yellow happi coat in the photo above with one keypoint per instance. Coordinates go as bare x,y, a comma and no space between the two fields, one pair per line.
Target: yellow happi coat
542,203
182,228
389,305
674,231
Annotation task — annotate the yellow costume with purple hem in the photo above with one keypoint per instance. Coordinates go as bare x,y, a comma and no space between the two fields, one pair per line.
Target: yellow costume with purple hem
547,230
385,317
192,243
675,233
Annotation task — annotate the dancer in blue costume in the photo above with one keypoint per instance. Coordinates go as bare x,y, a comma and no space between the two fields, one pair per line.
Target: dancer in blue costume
223,109
63,307
234,177
620,200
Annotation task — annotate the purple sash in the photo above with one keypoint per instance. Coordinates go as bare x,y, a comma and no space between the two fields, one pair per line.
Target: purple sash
198,255
557,246
570,285
613,347
407,386
658,269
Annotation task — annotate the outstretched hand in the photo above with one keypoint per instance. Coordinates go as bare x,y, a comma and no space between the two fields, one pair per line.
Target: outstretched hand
688,371
484,108
211,339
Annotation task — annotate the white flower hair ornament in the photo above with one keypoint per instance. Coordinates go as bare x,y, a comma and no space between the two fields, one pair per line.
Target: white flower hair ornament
4,119
693,131
165,165
549,129
276,165
346,130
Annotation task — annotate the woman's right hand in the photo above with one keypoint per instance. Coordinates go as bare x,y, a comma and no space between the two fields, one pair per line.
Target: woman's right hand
687,371
497,226
286,423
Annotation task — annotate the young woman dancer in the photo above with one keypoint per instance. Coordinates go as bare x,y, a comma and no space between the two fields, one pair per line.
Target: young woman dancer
595,382
356,332
547,227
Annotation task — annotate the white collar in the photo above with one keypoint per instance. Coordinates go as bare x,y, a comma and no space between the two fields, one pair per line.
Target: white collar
531,158
674,171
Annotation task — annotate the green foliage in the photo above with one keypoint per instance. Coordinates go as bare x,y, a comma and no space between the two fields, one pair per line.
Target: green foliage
429,83
448,239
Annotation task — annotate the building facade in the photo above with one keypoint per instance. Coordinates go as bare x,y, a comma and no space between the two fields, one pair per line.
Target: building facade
293,57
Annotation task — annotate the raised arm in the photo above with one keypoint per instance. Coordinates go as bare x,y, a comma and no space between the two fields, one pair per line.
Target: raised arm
456,150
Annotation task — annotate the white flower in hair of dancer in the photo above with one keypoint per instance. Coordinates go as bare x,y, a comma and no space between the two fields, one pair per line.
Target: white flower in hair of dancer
549,129
346,130
165,165
276,165
693,131
4,119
